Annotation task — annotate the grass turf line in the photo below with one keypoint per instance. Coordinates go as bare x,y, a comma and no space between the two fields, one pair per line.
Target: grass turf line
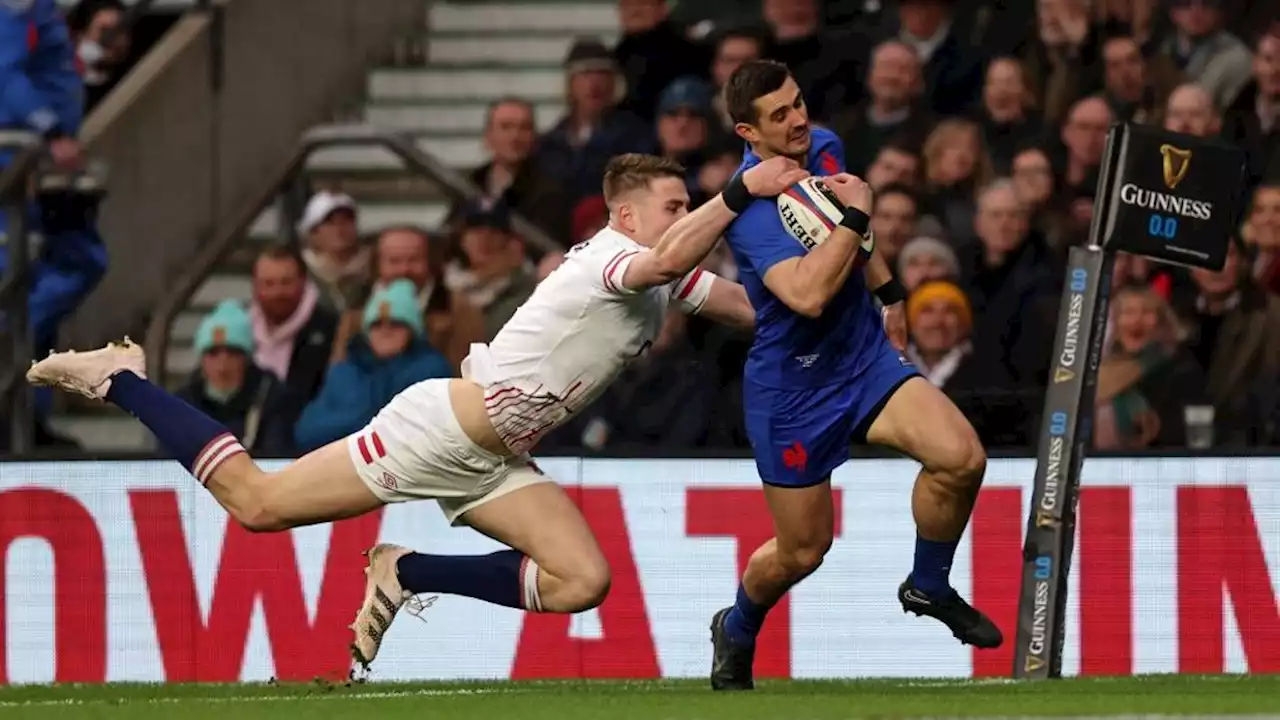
653,700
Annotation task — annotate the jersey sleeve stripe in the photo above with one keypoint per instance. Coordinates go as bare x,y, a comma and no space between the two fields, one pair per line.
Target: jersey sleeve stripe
689,283
612,266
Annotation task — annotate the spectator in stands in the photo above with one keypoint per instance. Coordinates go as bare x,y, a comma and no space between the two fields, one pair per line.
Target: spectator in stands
512,177
451,323
1205,52
893,220
1012,279
102,46
496,276
823,62
1084,139
895,164
589,217
389,355
1136,88
1146,377
952,67
1035,184
333,252
652,52
684,125
292,332
1262,233
955,166
230,388
733,48
1253,121
722,161
1062,57
1007,115
891,110
1234,337
573,154
1190,110
924,259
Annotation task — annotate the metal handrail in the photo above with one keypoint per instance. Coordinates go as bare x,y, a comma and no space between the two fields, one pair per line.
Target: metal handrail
455,186
14,182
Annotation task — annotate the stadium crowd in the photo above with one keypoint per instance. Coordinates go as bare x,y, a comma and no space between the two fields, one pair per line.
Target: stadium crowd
981,127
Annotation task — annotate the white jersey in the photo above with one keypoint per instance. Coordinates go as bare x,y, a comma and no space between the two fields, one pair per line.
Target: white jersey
572,338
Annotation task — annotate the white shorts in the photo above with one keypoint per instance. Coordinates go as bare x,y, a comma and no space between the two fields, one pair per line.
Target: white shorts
414,449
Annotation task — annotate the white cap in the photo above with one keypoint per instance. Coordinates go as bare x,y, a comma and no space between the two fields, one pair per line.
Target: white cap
320,207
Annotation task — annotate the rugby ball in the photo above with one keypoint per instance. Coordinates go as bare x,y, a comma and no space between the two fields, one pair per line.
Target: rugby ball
811,211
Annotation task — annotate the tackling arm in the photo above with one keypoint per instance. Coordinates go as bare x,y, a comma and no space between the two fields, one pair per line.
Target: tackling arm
727,304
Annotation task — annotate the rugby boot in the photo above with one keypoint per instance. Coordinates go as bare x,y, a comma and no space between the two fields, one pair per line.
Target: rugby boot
383,598
88,373
967,623
731,664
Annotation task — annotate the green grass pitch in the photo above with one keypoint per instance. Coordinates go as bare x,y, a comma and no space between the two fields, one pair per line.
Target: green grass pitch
656,700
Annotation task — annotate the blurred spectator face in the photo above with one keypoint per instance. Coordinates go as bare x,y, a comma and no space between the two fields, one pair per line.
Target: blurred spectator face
957,147
1059,21
337,235
893,166
682,131
637,16
1126,72
491,253
923,267
592,91
1264,218
937,328
714,175
1190,110
1085,132
1005,93
895,78
893,219
1195,18
922,18
511,133
731,54
113,52
646,215
403,254
1137,316
388,338
277,287
1032,178
1001,222
1129,269
224,369
791,18
1220,285
1266,66
782,122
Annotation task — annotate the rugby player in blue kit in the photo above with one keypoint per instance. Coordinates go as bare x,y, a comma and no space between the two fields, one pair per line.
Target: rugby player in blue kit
824,371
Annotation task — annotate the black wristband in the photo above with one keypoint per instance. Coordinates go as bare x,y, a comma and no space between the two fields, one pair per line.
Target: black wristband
890,293
856,220
735,194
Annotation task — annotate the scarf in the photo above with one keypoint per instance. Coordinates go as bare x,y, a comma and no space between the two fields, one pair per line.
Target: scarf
339,281
940,372
274,348
1119,377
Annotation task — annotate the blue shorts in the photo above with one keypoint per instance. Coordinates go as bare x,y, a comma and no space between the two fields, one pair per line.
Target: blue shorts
800,436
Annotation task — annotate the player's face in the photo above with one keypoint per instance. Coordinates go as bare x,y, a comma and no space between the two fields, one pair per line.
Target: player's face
647,214
782,124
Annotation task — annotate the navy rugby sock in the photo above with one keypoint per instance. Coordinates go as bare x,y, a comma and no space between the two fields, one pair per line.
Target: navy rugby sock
744,621
507,577
194,439
932,571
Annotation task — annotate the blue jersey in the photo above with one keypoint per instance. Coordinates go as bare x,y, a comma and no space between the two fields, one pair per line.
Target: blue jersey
40,88
790,350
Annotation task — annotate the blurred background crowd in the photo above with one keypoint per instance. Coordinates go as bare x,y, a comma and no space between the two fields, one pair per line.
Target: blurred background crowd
981,127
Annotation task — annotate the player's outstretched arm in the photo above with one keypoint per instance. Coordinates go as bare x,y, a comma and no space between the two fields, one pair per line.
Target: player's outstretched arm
727,303
692,237
807,283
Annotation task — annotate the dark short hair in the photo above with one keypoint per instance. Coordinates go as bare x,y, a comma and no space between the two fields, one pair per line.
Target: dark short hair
505,100
282,252
633,171
898,189
749,83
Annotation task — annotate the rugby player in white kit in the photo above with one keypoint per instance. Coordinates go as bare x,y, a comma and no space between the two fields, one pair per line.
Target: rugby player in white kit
465,442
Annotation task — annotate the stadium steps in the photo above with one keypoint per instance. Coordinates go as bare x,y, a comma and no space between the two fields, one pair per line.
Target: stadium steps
437,88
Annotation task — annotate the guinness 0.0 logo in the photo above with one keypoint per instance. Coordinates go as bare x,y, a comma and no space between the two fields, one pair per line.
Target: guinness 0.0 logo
1176,163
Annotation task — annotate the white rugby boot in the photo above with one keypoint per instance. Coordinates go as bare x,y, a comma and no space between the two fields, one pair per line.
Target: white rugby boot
383,598
88,373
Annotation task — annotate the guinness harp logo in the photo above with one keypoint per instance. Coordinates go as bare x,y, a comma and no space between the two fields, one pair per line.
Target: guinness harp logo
1176,163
